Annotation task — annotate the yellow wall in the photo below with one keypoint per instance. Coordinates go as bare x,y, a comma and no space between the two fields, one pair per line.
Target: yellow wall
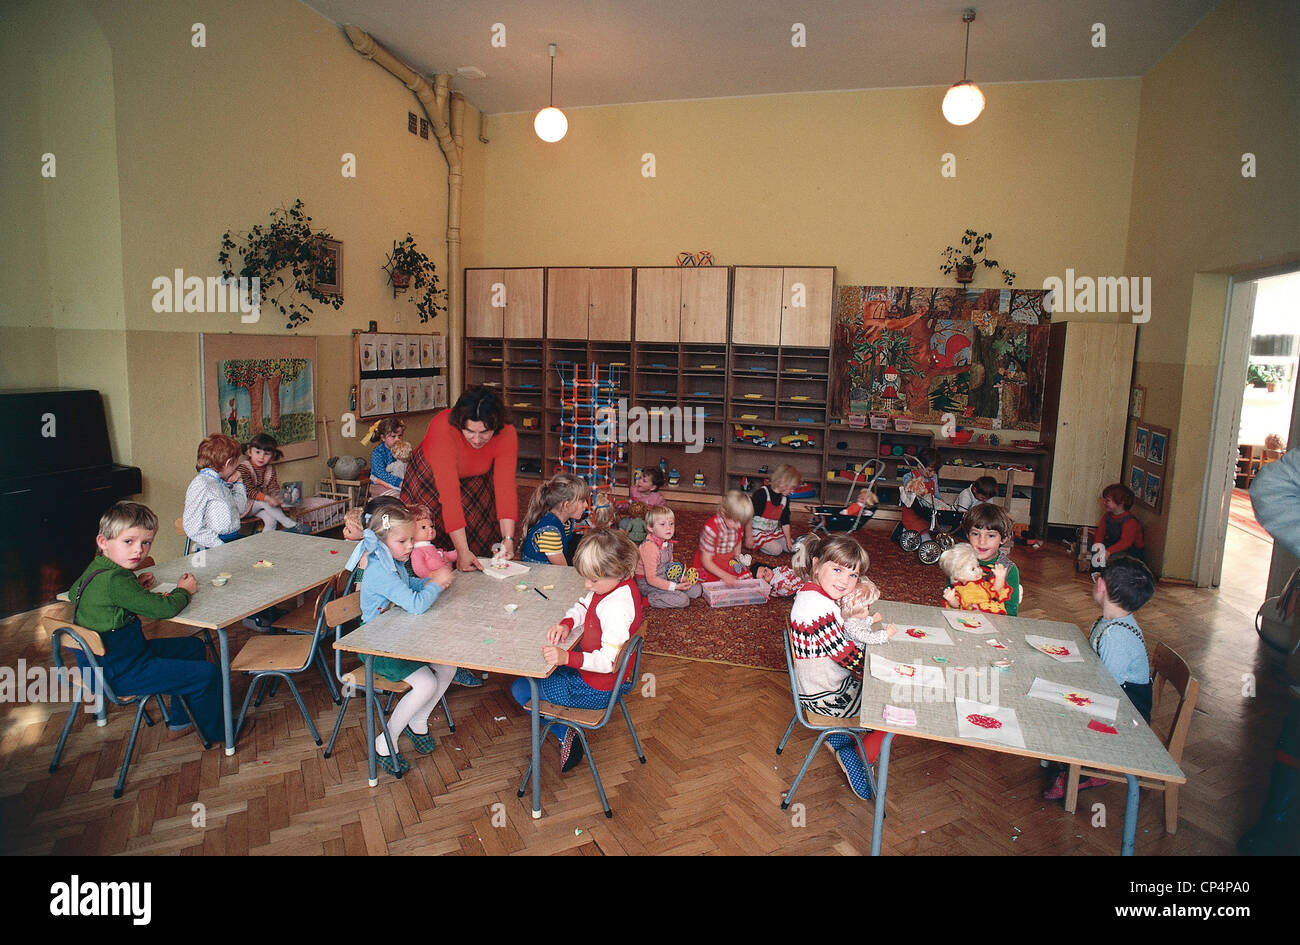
1231,86
162,147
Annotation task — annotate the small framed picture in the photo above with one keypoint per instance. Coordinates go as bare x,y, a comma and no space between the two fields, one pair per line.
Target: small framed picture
1156,454
1141,442
1137,401
291,493
1151,494
329,279
1137,481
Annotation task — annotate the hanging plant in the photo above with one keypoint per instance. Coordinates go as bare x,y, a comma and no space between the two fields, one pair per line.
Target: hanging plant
284,253
407,268
963,261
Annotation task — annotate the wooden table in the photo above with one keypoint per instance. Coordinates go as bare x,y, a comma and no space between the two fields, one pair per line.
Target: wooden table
298,564
1052,732
468,626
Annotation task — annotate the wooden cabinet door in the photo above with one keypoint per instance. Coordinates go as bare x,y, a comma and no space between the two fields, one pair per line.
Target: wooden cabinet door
756,307
658,304
610,304
523,303
1092,418
808,325
482,318
704,305
566,303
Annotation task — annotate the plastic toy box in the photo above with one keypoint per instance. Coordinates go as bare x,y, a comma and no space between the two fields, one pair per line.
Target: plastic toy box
746,591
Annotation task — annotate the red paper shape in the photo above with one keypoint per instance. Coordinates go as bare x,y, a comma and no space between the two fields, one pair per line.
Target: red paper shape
333,552
1102,727
1075,698
983,721
1056,650
916,634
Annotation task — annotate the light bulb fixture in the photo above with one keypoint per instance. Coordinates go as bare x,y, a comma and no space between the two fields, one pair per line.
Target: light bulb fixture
963,102
550,123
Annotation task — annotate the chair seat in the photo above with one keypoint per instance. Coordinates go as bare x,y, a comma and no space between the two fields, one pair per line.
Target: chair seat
301,618
829,721
569,714
166,630
264,653
357,678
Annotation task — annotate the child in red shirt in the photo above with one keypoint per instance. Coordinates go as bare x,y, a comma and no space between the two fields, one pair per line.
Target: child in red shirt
720,538
1119,530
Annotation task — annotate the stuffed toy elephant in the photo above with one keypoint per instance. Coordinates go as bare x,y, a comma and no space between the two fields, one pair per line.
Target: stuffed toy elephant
347,467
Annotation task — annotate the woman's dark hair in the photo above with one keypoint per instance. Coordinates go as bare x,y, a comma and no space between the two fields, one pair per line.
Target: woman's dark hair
267,444
482,404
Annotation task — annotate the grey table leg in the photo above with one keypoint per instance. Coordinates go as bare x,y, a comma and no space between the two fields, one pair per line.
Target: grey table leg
223,640
882,778
1130,816
370,719
536,760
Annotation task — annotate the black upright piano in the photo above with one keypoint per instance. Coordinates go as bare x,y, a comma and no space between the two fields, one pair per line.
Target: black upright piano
57,477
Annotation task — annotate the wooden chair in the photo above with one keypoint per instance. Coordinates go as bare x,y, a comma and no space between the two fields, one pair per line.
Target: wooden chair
1171,667
303,618
588,720
189,542
55,620
269,657
338,614
823,725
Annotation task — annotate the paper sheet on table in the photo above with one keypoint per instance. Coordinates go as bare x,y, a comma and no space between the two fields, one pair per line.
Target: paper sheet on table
915,674
1104,707
990,723
503,569
166,587
908,633
1064,651
967,621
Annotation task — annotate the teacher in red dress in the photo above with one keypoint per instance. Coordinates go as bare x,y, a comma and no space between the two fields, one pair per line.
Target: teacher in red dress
464,471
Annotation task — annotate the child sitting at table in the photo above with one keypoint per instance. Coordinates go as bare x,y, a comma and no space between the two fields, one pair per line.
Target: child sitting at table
608,614
654,559
551,520
828,666
109,599
216,497
388,540
988,529
262,487
1122,588
968,586
720,539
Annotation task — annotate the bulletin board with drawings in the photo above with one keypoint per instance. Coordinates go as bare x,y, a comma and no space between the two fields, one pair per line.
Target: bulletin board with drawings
398,374
1150,462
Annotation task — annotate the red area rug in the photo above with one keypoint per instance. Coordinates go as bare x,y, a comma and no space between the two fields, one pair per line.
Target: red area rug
1242,514
752,636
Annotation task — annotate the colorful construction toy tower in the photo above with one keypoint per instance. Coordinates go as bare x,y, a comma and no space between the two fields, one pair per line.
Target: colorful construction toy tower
589,444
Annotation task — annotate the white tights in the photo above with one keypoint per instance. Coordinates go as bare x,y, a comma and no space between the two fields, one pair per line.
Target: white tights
428,683
271,516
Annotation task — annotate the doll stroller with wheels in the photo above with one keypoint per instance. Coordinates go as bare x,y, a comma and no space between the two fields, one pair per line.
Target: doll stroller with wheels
945,520
829,518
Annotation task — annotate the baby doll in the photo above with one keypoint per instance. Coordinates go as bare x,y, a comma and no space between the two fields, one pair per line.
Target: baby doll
604,514
866,499
401,456
969,589
855,607
782,581
426,557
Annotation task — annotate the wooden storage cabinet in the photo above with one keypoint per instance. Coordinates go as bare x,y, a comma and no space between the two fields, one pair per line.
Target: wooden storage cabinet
807,325
756,306
503,303
589,303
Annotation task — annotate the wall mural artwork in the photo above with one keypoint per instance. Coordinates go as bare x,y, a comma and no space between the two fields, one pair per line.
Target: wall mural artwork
922,352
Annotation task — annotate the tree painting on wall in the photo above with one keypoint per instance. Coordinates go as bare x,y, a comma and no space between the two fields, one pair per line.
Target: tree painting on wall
262,384
923,352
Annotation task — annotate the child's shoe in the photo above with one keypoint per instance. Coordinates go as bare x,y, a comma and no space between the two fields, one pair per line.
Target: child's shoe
424,744
851,764
571,753
1057,790
396,770
466,678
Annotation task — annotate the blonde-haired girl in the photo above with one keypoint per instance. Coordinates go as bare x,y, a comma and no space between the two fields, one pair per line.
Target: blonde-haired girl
550,522
608,614
769,530
828,665
656,554
720,538
387,540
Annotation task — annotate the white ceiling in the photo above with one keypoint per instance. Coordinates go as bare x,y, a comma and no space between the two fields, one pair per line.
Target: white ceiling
618,52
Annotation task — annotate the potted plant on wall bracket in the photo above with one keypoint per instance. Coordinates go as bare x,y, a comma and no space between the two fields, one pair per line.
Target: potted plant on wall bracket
963,261
285,252
407,268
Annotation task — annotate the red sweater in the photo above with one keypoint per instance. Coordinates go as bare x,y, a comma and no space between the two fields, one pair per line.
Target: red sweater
608,621
1130,533
452,458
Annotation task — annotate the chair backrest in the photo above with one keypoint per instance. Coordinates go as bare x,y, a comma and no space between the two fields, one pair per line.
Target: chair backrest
338,613
65,633
1171,667
631,650
323,600
180,530
794,680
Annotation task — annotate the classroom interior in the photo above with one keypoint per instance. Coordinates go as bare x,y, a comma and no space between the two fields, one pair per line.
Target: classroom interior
163,144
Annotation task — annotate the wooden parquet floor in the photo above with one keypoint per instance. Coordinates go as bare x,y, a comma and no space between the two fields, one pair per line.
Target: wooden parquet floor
712,784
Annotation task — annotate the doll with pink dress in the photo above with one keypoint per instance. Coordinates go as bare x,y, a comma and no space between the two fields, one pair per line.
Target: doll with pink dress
426,557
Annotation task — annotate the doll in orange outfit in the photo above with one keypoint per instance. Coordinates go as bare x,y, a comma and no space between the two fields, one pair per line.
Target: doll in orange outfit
970,589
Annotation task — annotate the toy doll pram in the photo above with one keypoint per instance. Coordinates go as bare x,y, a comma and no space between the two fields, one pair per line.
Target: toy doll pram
827,518
944,520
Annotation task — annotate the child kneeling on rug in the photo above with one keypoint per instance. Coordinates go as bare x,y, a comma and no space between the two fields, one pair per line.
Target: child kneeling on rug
656,557
828,666
608,614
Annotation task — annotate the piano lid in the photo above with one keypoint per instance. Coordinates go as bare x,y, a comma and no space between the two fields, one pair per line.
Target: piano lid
51,430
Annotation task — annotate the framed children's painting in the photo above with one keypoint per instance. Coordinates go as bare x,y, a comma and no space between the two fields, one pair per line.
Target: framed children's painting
1137,481
1151,495
261,384
1141,443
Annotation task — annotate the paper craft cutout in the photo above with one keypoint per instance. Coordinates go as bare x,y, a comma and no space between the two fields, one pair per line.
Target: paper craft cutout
915,674
501,569
1064,651
896,716
262,563
1102,727
1072,697
995,644
934,635
991,723
967,621
511,608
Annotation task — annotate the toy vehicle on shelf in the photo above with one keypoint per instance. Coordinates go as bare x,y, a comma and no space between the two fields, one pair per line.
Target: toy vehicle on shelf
797,440
752,434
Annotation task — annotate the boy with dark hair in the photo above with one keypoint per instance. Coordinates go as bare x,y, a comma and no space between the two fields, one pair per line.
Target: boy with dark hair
988,527
983,489
1122,588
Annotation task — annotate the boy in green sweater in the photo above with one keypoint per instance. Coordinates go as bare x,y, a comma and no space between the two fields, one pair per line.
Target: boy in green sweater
110,599
988,529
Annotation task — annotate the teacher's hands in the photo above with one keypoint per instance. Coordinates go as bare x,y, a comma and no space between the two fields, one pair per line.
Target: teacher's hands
468,562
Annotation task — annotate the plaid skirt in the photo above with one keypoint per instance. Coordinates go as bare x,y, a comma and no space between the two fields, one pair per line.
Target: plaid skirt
477,500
